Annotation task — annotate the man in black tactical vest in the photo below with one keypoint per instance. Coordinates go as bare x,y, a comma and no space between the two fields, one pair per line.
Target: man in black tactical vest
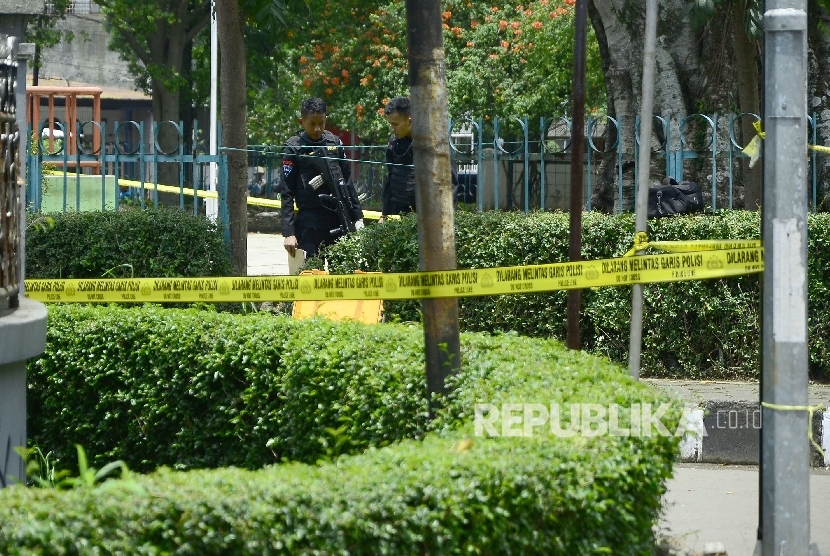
317,178
398,193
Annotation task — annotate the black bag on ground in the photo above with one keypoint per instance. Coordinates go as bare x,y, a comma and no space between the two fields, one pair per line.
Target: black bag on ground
674,198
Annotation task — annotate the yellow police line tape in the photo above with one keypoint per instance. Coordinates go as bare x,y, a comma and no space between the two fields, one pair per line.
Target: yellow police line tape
691,260
270,203
753,148
204,194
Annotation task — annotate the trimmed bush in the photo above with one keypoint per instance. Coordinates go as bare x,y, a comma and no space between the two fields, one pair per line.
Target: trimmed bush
190,388
436,489
149,243
706,329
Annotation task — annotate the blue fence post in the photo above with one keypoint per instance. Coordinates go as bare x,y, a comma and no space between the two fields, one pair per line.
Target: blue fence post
589,156
636,150
103,159
527,164
194,167
814,122
620,160
731,153
714,156
480,165
180,147
116,171
543,173
496,163
224,215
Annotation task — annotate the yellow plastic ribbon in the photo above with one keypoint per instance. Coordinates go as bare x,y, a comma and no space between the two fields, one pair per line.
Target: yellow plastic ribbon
810,409
640,243
753,149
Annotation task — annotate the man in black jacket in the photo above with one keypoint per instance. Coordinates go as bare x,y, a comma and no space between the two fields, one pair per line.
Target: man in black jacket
398,193
317,178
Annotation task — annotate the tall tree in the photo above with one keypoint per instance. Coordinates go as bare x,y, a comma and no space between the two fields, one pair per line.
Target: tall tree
708,60
232,17
504,60
232,84
152,36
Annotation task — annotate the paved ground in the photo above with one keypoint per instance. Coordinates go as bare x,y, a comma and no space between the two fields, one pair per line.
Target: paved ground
700,391
719,503
266,255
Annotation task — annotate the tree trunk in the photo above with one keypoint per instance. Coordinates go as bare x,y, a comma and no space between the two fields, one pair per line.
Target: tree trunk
818,93
233,96
748,68
692,73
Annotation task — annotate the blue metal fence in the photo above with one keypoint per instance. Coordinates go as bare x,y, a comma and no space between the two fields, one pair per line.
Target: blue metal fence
504,164
124,169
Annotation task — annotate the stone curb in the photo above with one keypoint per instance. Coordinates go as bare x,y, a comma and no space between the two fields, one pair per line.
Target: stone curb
733,434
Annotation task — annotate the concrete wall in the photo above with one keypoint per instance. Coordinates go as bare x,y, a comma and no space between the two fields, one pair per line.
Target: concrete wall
87,58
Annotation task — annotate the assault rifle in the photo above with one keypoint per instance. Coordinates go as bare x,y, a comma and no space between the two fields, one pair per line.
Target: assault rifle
338,200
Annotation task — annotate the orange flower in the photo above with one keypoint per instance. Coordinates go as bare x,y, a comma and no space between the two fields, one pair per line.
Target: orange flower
470,44
457,30
303,60
536,24
446,15
445,27
494,56
495,9
515,25
376,64
345,73
329,92
505,44
307,83
528,13
318,56
502,25
335,81
518,32
570,2
473,24
326,80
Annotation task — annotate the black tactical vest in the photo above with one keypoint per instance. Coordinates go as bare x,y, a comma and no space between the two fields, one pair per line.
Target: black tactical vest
402,174
306,197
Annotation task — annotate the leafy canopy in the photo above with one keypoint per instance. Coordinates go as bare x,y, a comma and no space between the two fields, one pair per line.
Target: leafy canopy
514,58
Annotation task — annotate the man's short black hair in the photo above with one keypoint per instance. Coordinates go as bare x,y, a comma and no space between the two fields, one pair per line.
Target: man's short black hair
312,105
400,105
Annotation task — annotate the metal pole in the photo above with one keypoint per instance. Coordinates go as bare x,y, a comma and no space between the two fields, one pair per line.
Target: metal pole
433,186
212,205
643,167
785,452
577,170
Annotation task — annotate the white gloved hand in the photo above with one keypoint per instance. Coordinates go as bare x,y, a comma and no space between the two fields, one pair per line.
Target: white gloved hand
316,182
359,225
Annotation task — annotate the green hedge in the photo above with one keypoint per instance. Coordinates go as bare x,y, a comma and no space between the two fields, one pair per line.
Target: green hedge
125,373
195,388
149,243
693,330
